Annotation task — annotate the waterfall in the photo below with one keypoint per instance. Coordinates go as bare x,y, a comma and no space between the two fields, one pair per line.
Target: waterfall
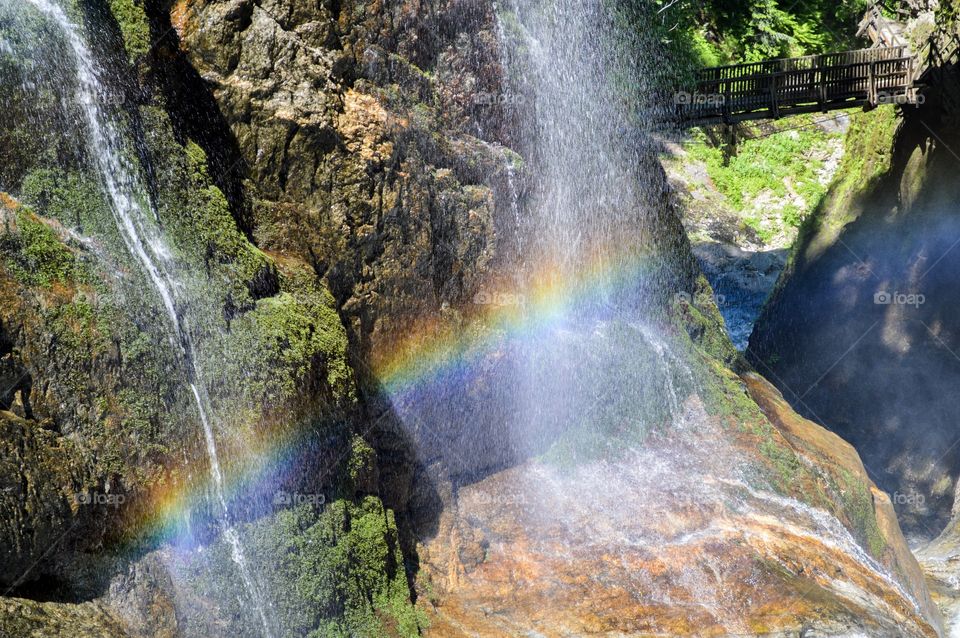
579,69
593,231
145,244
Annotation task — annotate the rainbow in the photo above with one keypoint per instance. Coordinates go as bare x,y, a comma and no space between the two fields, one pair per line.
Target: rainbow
434,346
436,350
270,455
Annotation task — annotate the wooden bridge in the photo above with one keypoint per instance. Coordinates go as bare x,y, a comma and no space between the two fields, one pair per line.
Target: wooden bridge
887,73
776,88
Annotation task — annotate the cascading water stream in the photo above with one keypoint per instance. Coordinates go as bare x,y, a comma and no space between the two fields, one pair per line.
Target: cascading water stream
571,66
147,247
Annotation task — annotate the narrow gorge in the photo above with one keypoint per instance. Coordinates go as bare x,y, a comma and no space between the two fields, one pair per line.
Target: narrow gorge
470,318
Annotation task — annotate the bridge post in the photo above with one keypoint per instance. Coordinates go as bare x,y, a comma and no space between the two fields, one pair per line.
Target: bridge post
774,102
911,90
726,100
822,88
871,84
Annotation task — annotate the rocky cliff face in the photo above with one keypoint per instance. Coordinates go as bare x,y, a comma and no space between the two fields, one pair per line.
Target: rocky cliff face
102,449
883,241
337,173
337,111
860,333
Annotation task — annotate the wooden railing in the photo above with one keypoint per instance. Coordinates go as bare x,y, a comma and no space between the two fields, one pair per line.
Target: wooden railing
942,49
776,88
881,31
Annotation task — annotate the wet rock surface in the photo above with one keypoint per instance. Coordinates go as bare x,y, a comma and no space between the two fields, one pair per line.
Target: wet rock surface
536,549
741,281
352,132
30,619
356,147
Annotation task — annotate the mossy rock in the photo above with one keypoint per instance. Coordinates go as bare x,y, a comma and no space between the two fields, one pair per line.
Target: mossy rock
326,571
134,27
34,252
22,618
41,478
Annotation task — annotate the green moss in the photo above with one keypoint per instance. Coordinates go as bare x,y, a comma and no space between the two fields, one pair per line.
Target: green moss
868,157
138,415
285,340
699,317
75,324
206,228
362,463
335,571
73,198
134,27
857,504
725,396
783,460
72,327
34,253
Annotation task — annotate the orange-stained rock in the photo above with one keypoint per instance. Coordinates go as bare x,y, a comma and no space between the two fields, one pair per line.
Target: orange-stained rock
835,454
681,538
8,202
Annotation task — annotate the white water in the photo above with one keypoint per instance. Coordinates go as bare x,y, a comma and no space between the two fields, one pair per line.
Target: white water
146,245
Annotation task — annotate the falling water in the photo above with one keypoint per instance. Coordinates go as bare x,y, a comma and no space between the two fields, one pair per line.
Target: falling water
594,221
598,191
146,245
514,203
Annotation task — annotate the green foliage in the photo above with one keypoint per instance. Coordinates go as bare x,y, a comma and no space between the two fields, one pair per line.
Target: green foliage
704,52
134,27
728,31
766,165
331,571
35,254
763,164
